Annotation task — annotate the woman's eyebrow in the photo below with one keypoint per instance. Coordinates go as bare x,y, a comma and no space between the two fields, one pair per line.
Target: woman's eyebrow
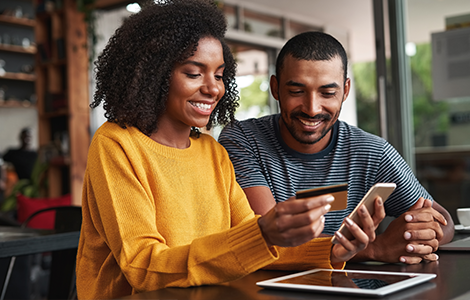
200,64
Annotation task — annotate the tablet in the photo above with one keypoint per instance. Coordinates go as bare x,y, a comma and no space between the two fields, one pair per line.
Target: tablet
352,282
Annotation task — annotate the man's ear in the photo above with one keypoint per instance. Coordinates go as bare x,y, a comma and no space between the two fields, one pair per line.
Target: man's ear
274,87
347,87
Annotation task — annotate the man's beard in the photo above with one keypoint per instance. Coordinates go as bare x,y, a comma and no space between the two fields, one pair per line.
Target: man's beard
299,136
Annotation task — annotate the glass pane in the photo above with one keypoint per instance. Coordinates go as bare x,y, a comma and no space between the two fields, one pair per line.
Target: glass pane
262,24
230,12
252,81
296,28
441,123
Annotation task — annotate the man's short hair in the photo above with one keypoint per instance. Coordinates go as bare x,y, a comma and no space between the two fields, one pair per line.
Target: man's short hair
312,45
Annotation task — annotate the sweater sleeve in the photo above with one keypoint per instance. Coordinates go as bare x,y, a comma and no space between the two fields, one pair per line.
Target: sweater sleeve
124,216
311,255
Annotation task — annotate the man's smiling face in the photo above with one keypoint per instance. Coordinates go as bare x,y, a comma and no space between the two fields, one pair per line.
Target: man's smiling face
310,95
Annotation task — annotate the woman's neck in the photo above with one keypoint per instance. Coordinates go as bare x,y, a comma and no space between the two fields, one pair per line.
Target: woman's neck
172,138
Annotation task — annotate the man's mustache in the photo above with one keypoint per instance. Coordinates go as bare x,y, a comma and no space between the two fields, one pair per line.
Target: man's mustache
303,115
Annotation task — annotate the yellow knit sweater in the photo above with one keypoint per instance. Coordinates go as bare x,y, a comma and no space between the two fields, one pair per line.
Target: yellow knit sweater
156,216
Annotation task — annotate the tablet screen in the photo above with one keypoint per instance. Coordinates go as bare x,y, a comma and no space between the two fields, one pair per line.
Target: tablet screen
347,279
350,281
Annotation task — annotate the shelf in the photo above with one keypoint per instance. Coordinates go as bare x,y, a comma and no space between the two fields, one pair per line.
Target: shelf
16,104
18,76
17,21
18,49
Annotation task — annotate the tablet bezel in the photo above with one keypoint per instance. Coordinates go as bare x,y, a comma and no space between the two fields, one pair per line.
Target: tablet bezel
382,291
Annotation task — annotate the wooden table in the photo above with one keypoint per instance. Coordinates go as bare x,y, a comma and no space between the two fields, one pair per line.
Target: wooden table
452,282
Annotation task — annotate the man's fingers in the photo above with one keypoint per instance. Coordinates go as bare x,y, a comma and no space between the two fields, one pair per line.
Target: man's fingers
419,204
368,224
411,260
379,212
431,257
425,215
419,249
424,234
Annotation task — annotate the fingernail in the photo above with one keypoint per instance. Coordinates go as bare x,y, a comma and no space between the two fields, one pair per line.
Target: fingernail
380,202
349,221
408,218
323,219
410,248
330,199
339,235
407,235
437,256
363,209
327,207
402,259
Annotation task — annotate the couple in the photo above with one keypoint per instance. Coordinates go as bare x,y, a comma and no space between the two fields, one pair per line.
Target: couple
161,204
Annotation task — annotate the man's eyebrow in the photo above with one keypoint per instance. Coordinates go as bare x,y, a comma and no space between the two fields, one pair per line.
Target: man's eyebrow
199,64
330,86
326,86
295,83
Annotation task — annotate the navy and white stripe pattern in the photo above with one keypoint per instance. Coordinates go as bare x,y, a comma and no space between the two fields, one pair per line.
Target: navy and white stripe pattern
261,158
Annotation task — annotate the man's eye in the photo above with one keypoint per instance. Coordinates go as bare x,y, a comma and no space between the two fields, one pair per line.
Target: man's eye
296,92
329,94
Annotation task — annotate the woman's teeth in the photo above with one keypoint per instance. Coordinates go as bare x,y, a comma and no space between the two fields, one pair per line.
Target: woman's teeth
202,106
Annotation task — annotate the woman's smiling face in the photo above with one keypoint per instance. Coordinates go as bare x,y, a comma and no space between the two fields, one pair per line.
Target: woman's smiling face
196,86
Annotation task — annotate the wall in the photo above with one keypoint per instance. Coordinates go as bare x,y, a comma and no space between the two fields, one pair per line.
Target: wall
12,120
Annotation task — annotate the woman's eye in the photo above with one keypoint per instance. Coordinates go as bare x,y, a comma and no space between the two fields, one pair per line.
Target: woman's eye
218,77
192,75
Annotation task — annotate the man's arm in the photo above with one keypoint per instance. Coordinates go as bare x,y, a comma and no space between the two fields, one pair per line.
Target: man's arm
413,236
448,229
394,245
261,199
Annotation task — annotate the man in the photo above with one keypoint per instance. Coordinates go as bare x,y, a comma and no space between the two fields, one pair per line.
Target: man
22,158
306,146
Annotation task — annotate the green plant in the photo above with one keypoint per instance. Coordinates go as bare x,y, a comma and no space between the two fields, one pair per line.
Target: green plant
29,187
87,8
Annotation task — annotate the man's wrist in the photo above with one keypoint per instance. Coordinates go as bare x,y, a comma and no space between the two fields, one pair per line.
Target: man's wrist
368,254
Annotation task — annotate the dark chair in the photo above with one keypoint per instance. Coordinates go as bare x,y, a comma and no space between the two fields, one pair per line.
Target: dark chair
62,270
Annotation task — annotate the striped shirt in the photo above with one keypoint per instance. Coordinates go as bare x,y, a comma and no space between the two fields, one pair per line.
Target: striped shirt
261,158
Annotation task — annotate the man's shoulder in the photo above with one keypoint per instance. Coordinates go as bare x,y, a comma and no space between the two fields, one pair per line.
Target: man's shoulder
355,134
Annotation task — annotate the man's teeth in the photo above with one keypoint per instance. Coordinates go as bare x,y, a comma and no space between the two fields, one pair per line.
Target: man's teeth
201,105
309,123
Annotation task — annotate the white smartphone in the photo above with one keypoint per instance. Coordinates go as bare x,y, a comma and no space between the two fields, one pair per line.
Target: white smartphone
379,189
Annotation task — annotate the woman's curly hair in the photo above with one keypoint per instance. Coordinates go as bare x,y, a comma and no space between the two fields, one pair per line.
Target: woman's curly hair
134,71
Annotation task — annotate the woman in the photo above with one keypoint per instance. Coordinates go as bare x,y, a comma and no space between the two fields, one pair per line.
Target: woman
161,206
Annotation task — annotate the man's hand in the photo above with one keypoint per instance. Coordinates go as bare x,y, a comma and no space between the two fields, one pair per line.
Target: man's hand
295,222
412,237
347,249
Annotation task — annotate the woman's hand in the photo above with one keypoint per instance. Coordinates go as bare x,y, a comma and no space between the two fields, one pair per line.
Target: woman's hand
295,222
347,249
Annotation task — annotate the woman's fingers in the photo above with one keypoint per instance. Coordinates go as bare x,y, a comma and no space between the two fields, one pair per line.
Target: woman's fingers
294,222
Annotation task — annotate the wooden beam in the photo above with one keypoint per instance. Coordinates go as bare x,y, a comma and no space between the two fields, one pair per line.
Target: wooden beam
108,4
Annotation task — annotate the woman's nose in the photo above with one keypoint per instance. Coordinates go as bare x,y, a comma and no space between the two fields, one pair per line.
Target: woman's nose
212,87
